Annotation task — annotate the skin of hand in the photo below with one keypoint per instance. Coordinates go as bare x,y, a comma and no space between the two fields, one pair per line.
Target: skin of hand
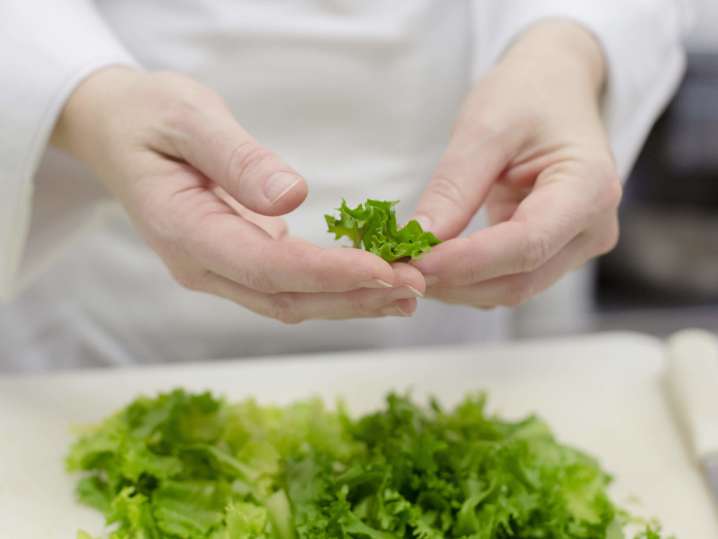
206,197
530,147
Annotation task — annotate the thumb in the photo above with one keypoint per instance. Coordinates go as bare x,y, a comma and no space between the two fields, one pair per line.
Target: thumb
222,150
461,183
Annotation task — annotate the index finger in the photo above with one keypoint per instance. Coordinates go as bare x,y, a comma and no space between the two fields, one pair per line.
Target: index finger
238,250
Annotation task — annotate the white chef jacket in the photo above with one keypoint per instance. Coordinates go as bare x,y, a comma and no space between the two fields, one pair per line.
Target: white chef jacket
358,95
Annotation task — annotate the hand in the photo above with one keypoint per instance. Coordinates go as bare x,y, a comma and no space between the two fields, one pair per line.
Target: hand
205,196
529,146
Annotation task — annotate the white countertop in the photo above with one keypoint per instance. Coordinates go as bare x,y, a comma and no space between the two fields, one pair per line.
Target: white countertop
602,393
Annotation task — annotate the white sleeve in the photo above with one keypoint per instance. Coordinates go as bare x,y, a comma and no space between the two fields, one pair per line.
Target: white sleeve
46,49
641,40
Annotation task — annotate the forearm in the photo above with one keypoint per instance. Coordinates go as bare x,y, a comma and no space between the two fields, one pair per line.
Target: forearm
51,46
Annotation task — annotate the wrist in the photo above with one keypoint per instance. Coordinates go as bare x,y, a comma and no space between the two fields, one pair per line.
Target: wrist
80,128
560,49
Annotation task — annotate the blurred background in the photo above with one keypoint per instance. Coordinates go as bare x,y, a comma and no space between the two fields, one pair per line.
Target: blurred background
663,275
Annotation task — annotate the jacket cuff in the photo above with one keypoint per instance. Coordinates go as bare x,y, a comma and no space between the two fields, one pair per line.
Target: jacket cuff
61,45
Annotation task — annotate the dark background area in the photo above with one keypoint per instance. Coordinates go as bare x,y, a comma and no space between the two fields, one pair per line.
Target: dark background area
663,275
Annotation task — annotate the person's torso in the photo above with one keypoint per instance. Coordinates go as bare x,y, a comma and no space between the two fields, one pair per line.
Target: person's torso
358,95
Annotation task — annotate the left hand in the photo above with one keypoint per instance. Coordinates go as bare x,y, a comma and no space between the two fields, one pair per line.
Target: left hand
530,146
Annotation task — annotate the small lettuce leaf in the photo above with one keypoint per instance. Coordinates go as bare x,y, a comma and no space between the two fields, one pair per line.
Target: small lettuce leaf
372,226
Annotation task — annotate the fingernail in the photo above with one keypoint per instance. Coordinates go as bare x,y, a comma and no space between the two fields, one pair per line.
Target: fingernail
431,280
414,291
278,185
375,283
405,292
424,221
395,310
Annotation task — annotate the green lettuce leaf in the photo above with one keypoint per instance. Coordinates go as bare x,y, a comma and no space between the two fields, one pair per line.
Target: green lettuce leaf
246,521
192,466
372,226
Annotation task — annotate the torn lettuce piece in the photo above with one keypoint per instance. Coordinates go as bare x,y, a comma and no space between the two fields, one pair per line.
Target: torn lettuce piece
372,226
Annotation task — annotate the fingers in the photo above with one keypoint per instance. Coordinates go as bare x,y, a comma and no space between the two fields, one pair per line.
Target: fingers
276,227
462,180
406,275
194,231
557,210
212,141
239,251
513,290
291,280
292,308
498,250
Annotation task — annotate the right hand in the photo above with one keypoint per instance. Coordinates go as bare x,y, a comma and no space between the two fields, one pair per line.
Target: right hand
205,195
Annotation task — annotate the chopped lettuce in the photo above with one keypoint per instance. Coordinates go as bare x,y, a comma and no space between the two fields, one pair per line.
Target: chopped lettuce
192,466
372,225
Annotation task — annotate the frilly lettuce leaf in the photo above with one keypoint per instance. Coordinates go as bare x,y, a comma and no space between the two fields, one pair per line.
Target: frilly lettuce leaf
372,226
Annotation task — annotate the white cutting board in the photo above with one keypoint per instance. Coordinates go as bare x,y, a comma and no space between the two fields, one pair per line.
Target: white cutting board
602,393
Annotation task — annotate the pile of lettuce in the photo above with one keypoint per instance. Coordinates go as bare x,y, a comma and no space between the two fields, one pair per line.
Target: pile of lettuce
191,466
372,225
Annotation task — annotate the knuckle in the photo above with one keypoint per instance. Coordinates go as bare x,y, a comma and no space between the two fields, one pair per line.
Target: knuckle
283,308
447,190
474,274
366,302
246,156
535,252
320,273
260,281
257,273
